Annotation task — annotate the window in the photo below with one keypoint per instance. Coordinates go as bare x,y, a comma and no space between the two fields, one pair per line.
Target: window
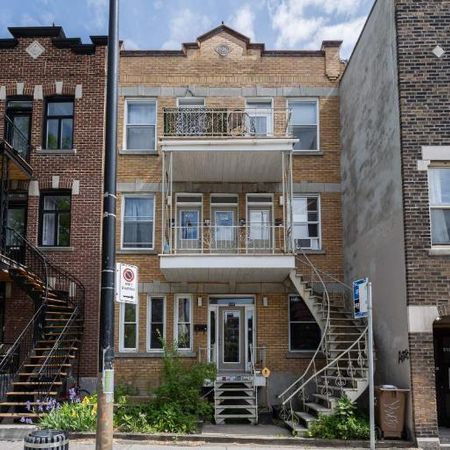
156,323
59,124
129,327
55,220
140,125
304,333
304,123
439,186
306,225
183,320
138,221
259,117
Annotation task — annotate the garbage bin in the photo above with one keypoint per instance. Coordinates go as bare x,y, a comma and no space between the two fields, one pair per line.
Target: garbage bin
390,410
46,440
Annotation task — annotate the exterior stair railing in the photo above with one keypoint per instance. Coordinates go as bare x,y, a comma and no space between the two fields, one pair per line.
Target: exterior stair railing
325,358
53,280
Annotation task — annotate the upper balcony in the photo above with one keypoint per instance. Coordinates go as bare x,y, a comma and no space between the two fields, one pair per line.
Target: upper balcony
260,121
16,149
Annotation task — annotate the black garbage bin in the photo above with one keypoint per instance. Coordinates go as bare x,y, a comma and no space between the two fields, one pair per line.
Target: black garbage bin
46,440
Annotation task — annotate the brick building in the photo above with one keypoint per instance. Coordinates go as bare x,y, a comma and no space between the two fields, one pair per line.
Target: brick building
396,184
52,98
229,199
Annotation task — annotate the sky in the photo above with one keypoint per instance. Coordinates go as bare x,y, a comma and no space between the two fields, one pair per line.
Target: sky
165,24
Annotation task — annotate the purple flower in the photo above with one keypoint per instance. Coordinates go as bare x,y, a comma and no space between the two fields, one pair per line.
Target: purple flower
28,421
28,405
23,419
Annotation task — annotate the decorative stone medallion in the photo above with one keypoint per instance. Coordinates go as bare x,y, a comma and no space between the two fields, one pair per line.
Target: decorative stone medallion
35,49
223,50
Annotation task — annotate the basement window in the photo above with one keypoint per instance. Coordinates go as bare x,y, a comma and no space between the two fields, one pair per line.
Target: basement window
439,189
304,332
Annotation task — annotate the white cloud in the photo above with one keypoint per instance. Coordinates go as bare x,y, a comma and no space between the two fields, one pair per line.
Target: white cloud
130,44
100,10
185,26
244,21
305,23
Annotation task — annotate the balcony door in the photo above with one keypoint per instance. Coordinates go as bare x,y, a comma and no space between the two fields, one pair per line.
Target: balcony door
259,228
16,221
18,125
224,229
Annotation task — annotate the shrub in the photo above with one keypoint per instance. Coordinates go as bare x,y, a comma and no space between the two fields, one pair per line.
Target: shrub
344,424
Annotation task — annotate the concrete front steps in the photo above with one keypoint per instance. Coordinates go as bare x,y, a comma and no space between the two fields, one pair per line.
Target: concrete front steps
235,401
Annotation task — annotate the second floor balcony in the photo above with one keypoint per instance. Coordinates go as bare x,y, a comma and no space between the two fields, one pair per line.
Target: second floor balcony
200,121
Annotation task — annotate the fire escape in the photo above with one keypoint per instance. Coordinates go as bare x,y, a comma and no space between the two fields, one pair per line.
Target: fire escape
33,369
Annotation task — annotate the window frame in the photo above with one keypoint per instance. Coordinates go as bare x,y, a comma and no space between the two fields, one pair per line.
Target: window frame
270,115
150,298
128,100
122,219
54,193
59,99
298,321
440,206
306,100
122,324
319,220
191,323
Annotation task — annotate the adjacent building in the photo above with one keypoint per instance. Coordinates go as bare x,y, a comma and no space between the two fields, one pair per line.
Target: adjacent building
396,196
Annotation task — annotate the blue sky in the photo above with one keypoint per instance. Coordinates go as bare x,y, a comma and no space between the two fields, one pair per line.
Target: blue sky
155,24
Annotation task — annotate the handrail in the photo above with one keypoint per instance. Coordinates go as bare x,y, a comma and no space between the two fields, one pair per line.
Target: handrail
322,339
330,364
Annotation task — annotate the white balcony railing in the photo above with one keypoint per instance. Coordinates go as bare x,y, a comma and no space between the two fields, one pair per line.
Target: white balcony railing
233,239
226,122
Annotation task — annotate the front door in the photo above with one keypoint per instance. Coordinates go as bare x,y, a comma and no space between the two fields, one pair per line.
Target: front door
442,359
232,339
189,229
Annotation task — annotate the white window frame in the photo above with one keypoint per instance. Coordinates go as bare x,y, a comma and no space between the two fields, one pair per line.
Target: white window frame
125,123
307,100
149,322
191,325
122,221
319,219
296,321
122,324
439,206
270,115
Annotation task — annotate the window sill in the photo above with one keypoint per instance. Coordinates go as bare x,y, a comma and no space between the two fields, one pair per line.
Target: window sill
58,152
125,251
56,249
138,152
308,153
439,251
153,354
302,355
312,252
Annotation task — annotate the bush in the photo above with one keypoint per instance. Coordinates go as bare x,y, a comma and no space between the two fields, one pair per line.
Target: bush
344,424
72,415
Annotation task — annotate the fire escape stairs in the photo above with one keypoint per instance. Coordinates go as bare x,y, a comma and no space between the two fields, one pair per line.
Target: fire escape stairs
36,366
340,364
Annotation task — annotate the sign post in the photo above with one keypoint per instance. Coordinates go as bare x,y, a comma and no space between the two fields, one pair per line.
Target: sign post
362,300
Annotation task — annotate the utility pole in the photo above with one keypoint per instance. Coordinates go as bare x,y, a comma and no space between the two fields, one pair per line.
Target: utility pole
105,387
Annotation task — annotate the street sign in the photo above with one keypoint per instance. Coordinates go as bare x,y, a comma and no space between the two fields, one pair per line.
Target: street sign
126,283
360,296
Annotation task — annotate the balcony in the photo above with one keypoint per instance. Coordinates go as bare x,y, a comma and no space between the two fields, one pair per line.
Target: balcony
202,122
241,253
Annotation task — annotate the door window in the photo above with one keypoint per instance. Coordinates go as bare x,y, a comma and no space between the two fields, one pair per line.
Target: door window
231,336
224,227
260,224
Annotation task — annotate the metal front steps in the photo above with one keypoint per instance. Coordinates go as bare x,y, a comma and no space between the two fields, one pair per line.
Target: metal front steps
235,400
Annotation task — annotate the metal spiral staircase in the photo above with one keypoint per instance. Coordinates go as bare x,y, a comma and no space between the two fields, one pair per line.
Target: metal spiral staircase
339,365
34,368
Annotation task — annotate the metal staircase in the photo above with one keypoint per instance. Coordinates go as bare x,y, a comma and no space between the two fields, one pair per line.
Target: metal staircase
235,399
339,365
35,367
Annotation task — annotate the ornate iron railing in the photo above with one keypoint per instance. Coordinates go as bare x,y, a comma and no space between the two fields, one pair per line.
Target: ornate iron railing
228,239
226,122
347,363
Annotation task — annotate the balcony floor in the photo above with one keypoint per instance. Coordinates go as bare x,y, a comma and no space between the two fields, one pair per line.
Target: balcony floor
227,268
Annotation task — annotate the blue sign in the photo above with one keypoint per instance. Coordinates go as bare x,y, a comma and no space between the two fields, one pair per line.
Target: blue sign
360,294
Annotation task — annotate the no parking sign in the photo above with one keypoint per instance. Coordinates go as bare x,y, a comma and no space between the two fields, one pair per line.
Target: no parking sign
126,283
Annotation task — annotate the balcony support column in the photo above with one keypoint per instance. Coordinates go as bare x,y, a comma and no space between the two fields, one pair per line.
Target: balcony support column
167,202
288,198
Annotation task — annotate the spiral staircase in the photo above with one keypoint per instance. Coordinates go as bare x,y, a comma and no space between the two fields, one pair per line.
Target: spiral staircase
339,365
